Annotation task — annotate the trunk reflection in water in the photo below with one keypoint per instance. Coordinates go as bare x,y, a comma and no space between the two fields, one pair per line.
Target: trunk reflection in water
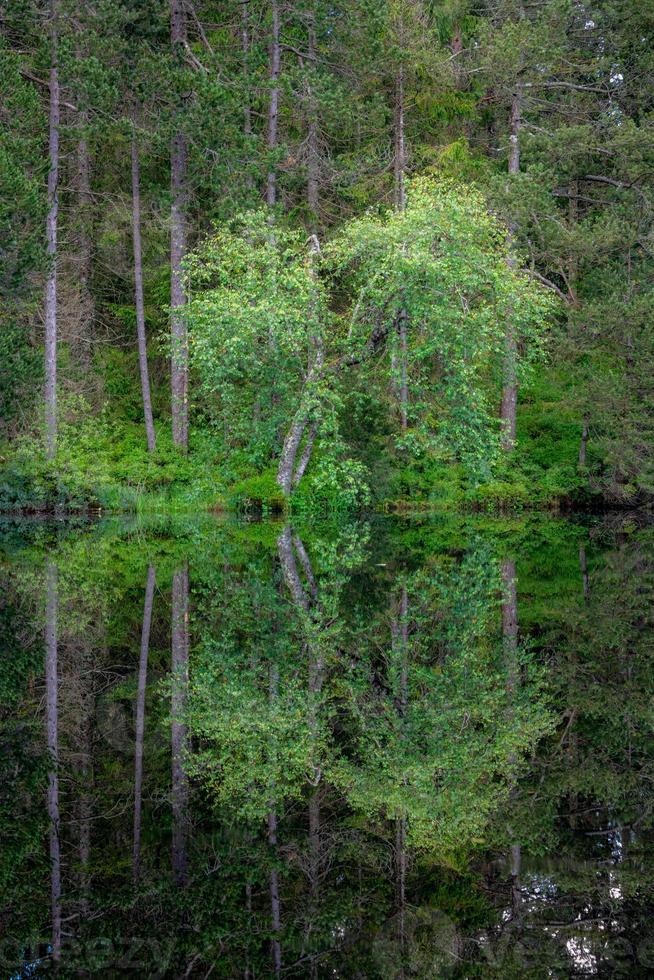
401,752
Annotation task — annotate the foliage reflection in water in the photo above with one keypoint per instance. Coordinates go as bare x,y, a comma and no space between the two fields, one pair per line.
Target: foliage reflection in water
394,748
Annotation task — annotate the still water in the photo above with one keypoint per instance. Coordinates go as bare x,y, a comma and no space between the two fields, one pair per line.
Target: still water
386,749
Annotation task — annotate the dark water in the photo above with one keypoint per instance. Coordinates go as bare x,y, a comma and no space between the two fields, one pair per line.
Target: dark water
385,749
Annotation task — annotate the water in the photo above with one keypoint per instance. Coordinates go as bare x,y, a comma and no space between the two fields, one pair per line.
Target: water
391,748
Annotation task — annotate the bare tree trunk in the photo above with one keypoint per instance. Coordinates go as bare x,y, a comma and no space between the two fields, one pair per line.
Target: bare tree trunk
275,901
245,48
87,705
50,312
510,622
289,453
52,724
273,105
399,196
510,643
399,156
510,384
84,249
178,248
400,634
404,383
138,295
583,567
305,456
287,476
140,721
313,156
180,789
583,443
247,108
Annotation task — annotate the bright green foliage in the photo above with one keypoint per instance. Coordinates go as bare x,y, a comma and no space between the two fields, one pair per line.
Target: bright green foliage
444,263
258,308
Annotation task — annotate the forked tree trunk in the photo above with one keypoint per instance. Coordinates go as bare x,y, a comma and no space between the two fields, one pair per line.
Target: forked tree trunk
138,296
273,104
180,788
50,311
52,726
288,476
178,248
508,410
140,722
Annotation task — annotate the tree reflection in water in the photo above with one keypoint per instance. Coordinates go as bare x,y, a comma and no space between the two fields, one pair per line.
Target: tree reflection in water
393,748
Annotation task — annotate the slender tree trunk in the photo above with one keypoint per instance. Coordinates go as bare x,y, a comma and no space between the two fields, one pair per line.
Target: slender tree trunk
510,623
583,443
399,197
275,901
510,383
400,633
287,476
273,105
180,789
510,643
50,312
140,722
87,704
84,249
52,724
178,249
583,567
245,48
247,108
305,456
289,453
313,155
399,157
404,383
138,294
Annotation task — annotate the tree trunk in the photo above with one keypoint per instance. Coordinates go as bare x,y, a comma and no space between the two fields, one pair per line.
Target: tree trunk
245,48
85,768
583,567
313,155
138,295
399,156
84,249
399,197
289,453
583,443
510,623
273,105
275,901
50,311
510,384
178,248
140,722
404,384
287,476
306,453
52,723
180,650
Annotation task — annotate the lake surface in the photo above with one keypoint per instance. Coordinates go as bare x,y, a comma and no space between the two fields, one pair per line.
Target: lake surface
389,748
